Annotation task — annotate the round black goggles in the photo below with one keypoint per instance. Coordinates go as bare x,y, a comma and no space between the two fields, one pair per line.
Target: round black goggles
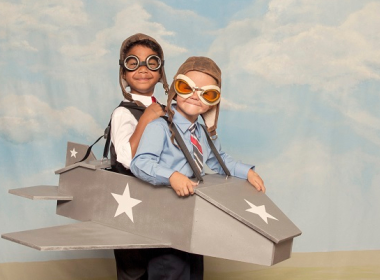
152,62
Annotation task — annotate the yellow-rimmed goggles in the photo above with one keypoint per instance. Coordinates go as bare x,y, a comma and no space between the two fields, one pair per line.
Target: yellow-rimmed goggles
152,62
185,87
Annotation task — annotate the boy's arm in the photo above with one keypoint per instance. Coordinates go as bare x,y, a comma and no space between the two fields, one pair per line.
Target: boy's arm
123,124
151,113
181,184
154,160
236,168
256,180
145,165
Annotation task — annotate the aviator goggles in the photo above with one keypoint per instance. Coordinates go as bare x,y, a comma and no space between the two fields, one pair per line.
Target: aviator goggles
152,62
185,87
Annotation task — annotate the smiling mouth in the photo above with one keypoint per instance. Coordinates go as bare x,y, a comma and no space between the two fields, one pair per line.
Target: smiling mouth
143,79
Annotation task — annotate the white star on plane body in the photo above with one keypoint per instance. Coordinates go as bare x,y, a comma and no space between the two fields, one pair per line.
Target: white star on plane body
73,153
260,210
126,203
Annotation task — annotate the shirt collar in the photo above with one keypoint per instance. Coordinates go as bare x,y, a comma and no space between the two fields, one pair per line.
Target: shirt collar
181,121
146,100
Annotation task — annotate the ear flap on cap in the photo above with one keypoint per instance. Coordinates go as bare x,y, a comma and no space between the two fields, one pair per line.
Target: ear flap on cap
210,119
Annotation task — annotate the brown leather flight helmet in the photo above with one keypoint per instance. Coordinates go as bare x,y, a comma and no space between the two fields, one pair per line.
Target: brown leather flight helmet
209,67
123,51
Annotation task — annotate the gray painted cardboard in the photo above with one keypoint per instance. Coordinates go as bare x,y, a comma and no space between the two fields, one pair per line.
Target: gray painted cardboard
225,218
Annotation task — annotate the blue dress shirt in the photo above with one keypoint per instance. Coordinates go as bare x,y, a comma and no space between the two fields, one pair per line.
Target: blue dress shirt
157,158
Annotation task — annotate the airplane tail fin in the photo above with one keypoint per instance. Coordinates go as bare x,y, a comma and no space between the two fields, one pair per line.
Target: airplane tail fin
76,152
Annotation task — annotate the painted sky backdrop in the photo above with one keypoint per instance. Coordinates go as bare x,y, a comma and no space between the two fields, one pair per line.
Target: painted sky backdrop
300,94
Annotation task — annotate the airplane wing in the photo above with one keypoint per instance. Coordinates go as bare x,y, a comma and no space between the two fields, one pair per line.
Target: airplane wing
240,200
41,192
81,236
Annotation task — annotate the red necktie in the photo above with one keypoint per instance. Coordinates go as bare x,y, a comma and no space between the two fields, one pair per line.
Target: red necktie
154,100
197,148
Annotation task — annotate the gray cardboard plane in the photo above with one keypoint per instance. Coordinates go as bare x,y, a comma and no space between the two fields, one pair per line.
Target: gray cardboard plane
225,218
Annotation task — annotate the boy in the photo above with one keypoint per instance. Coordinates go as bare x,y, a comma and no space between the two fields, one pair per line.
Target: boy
141,68
160,162
196,88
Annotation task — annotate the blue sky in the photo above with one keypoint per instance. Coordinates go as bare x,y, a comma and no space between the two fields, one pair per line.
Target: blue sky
300,100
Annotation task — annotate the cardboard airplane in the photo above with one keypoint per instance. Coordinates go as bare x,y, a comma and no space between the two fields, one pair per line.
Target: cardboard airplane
225,218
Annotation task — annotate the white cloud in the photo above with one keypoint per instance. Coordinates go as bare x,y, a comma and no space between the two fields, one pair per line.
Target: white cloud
308,165
310,162
72,45
230,105
362,121
26,118
326,193
310,13
324,48
135,18
19,21
21,45
72,48
42,177
289,52
62,13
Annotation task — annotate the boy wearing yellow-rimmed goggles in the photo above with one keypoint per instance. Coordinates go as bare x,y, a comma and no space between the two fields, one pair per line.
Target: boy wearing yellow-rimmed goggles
185,87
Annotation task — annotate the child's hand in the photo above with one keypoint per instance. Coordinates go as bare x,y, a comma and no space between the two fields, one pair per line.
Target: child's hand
256,180
152,112
181,184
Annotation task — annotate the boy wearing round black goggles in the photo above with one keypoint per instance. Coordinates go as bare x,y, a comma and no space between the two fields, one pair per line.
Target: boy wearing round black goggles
152,62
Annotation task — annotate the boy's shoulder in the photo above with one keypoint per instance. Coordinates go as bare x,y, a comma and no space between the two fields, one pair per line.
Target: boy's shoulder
157,127
128,108
162,121
126,105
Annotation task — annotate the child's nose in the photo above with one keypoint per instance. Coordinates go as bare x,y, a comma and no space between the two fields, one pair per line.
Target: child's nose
143,69
195,95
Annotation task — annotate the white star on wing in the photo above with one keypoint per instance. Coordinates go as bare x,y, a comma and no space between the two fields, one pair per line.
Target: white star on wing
260,210
126,203
73,153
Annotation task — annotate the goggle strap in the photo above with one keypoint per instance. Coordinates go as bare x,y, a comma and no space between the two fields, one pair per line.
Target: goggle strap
143,63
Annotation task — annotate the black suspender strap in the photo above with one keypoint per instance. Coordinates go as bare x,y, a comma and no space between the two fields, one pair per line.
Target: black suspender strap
188,156
136,111
107,136
89,149
217,155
